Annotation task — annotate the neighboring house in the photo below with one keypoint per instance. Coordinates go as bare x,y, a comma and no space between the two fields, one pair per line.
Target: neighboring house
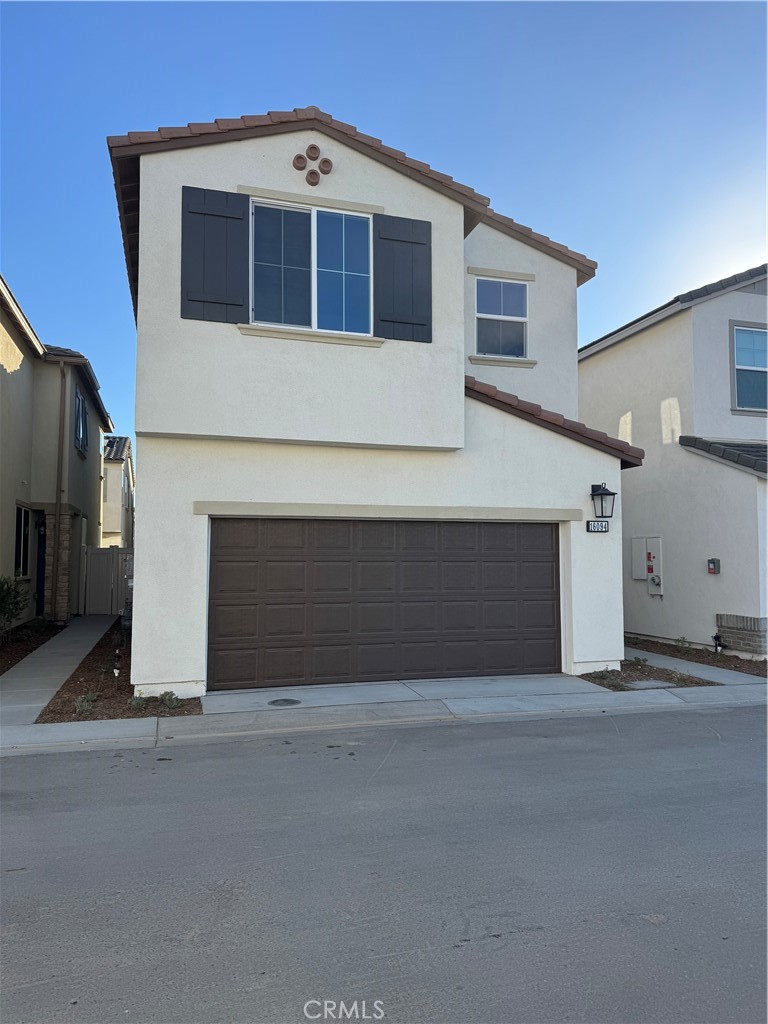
328,492
51,421
117,494
687,382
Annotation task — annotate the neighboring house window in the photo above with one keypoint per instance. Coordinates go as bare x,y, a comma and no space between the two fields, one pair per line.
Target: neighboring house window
502,318
21,559
750,367
81,422
312,268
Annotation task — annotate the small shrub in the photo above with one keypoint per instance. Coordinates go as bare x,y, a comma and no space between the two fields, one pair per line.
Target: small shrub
84,703
138,703
640,661
13,600
170,699
683,641
603,673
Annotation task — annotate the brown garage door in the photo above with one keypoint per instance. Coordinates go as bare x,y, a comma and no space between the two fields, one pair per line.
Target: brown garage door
320,601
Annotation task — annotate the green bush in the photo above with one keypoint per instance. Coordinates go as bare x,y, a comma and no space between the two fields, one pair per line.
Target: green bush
170,699
13,600
84,703
139,703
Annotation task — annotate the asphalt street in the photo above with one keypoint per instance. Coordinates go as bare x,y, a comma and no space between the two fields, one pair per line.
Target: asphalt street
597,869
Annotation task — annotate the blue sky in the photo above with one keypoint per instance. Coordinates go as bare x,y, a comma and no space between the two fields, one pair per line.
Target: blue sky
633,132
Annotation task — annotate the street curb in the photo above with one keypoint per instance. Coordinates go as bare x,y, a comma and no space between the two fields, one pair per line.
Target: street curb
153,739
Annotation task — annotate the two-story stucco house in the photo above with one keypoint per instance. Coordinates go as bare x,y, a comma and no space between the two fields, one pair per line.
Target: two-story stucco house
51,421
687,382
117,494
329,494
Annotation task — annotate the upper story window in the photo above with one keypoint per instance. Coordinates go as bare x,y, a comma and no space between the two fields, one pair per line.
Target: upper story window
81,422
312,268
502,318
267,266
750,367
21,556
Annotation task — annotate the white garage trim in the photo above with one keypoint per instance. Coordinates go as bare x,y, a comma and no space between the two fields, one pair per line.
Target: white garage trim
301,510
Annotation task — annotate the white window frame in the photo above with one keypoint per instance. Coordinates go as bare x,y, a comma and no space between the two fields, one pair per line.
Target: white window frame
500,316
313,211
749,410
26,515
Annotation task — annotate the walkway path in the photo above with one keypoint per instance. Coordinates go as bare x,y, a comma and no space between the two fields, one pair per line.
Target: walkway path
26,688
713,673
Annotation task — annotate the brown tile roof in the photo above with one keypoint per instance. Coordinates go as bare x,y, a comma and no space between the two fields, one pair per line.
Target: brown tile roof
116,449
56,354
533,413
125,151
751,455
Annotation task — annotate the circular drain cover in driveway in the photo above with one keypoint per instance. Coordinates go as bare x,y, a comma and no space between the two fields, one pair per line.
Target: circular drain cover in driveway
283,702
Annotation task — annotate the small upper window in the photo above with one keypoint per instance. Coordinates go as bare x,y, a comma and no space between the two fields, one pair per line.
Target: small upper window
312,268
502,318
81,422
750,367
21,557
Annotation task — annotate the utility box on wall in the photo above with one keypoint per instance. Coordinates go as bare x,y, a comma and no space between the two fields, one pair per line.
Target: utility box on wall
713,566
646,563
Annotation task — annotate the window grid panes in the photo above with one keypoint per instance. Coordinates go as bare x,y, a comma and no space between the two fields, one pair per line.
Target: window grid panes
502,318
751,367
328,291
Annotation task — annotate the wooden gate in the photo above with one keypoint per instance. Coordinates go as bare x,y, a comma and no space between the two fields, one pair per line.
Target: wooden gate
108,577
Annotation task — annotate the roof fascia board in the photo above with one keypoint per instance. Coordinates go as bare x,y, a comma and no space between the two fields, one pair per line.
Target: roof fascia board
634,328
17,313
724,462
627,461
585,268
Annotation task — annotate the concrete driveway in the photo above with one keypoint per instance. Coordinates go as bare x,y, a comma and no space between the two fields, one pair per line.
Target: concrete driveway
594,869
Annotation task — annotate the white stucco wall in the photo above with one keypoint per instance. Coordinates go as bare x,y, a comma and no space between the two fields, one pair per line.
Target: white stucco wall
507,463
713,415
225,383
552,324
641,390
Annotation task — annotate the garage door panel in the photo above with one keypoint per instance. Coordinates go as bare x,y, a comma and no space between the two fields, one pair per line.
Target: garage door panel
460,575
331,619
419,577
332,577
373,536
236,621
284,620
329,664
379,577
419,616
301,601
500,576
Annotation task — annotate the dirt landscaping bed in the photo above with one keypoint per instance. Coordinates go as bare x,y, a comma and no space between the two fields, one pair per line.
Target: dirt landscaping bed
25,639
101,694
635,671
700,655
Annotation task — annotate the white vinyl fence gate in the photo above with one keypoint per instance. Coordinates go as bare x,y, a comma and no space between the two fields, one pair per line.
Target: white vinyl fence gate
108,580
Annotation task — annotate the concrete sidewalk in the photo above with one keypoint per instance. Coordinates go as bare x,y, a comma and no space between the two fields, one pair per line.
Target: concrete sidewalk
713,673
26,688
247,714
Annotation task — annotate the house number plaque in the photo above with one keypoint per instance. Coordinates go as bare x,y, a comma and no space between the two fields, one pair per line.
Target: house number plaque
597,526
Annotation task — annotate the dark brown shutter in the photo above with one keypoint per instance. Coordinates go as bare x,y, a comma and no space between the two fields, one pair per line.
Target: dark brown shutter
402,278
214,255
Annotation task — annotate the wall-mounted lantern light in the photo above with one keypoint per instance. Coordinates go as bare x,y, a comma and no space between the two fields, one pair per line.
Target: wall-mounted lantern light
603,500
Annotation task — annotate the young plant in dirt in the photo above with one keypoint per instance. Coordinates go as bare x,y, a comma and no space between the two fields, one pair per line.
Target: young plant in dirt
169,698
14,598
137,703
85,702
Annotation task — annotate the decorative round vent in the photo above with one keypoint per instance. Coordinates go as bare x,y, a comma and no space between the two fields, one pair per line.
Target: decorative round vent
312,154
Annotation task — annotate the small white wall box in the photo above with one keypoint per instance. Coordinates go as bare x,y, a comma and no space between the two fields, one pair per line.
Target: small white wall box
713,566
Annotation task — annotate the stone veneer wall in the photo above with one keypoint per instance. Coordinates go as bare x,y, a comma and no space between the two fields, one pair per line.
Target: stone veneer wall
58,610
743,633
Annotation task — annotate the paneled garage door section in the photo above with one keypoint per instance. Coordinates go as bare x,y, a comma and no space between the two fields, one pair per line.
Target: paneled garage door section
332,601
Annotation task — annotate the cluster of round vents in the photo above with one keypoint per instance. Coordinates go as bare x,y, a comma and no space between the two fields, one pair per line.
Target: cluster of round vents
312,154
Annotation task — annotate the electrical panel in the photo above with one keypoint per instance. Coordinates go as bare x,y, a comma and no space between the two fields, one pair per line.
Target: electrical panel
653,567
